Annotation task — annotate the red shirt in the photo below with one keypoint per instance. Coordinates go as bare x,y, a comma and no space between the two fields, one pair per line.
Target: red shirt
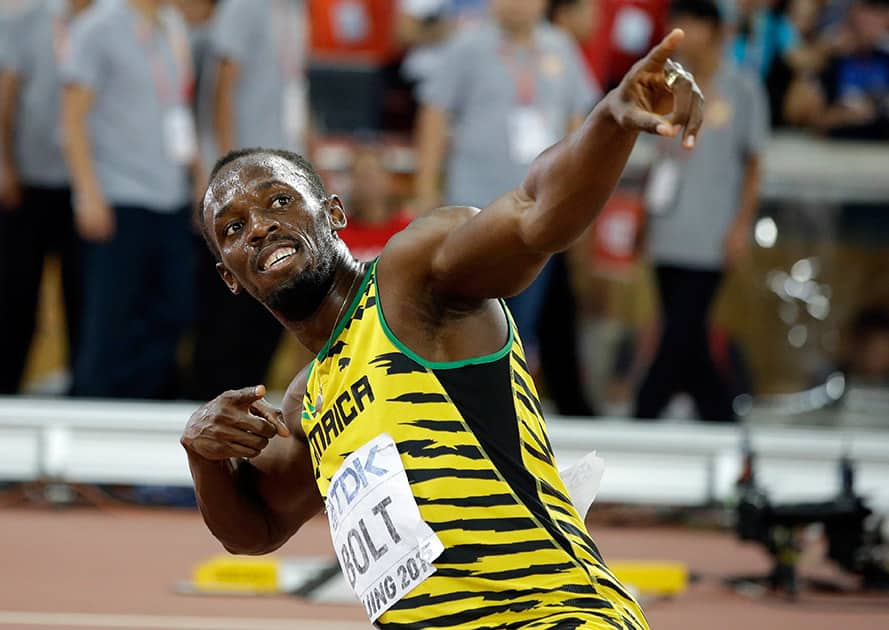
366,241
349,30
639,24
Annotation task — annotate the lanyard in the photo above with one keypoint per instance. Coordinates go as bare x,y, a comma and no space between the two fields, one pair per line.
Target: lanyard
181,58
289,20
524,74
61,18
59,38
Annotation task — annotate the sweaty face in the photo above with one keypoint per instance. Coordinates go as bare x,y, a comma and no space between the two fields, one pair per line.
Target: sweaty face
273,233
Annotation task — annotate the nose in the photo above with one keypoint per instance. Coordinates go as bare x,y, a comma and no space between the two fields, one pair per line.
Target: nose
260,228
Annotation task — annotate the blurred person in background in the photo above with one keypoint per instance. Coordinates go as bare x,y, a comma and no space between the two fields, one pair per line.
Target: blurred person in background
763,34
625,30
353,42
374,216
850,98
867,360
504,91
800,62
35,193
424,26
557,328
697,229
130,144
257,66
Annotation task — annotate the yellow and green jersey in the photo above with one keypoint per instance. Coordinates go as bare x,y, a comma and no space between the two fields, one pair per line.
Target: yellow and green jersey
473,443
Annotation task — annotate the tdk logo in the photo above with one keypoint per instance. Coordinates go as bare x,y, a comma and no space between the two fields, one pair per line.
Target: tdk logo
350,481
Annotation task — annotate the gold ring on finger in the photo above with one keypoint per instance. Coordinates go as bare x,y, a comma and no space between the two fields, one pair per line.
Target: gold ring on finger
672,72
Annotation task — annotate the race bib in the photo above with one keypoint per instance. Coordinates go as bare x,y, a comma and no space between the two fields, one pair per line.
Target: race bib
384,547
529,134
294,112
663,186
180,136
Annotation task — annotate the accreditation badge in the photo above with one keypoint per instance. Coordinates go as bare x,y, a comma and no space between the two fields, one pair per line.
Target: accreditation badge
294,113
530,133
384,547
663,186
180,135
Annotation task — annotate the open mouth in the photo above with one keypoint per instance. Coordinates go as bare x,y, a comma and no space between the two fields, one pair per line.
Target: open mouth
276,257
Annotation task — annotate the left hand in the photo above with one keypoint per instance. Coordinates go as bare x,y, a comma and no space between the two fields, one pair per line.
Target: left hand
644,102
737,244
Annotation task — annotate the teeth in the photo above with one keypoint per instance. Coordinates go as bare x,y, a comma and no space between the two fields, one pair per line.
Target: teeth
278,256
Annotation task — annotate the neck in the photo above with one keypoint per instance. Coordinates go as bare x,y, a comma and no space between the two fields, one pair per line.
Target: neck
77,6
371,212
146,8
314,332
518,35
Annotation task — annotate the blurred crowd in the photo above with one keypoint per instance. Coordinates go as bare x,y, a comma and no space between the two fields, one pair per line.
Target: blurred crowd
112,113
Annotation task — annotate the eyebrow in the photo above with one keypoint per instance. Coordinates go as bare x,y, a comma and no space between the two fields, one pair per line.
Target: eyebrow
260,188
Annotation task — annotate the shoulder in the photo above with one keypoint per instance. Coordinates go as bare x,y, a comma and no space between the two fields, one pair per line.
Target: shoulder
431,227
745,82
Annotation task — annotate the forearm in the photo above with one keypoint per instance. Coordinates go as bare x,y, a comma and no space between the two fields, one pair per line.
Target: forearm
254,506
226,496
570,182
79,156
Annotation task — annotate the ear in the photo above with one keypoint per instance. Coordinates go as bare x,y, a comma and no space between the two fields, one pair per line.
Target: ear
229,279
336,213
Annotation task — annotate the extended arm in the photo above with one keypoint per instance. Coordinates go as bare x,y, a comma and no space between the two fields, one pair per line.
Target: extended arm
471,255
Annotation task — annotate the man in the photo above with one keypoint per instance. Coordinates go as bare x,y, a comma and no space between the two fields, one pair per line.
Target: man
258,56
419,381
130,145
506,90
34,190
423,27
375,216
854,87
697,229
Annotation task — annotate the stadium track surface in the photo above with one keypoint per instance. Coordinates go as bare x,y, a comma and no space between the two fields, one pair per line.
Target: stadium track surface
116,568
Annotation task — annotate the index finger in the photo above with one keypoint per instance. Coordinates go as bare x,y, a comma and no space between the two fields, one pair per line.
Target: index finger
245,395
272,415
658,55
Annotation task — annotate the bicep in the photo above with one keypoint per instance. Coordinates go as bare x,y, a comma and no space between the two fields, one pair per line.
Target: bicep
469,255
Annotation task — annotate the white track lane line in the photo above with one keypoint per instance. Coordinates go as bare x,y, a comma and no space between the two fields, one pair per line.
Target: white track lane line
160,622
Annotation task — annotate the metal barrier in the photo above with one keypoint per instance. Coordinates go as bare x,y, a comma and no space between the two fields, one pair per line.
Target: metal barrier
660,463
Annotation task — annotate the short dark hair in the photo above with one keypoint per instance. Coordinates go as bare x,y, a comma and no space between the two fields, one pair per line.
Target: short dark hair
706,10
302,164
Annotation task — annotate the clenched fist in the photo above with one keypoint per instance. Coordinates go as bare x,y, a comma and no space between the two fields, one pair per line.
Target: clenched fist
237,423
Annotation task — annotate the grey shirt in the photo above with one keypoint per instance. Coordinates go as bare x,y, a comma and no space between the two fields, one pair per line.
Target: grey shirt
33,43
267,40
476,85
690,231
137,74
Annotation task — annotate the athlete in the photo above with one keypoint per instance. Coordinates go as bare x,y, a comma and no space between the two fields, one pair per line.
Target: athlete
417,427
